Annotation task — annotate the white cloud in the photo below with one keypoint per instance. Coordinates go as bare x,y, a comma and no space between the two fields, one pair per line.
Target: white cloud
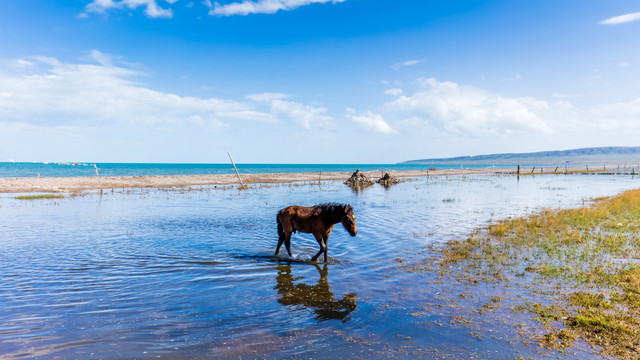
393,92
407,63
623,64
448,109
305,115
152,9
247,7
370,121
622,116
44,93
267,97
101,58
50,93
466,109
622,19
562,96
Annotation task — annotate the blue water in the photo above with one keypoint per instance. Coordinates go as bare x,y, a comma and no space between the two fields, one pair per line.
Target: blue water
33,169
156,273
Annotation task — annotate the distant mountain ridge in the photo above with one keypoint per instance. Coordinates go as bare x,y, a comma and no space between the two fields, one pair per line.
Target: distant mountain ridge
609,155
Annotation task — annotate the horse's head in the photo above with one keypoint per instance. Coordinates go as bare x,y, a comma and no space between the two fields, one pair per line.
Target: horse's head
349,220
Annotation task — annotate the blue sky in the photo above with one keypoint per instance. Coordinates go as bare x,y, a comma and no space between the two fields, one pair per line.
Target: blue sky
314,81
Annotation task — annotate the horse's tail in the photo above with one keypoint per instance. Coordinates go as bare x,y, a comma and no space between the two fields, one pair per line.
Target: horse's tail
280,230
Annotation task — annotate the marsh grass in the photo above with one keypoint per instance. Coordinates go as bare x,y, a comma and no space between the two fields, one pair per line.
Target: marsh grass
583,265
41,196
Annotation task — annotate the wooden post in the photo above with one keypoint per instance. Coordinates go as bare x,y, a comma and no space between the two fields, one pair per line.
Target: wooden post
236,169
534,169
98,175
518,173
587,167
556,170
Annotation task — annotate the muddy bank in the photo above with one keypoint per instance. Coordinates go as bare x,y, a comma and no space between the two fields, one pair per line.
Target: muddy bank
80,184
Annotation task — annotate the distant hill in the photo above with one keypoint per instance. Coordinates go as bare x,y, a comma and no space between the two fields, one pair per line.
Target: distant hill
595,155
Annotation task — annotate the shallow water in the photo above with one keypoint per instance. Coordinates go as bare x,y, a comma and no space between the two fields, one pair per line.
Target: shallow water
173,274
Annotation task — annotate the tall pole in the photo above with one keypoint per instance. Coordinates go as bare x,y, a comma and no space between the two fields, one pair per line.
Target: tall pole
236,169
98,175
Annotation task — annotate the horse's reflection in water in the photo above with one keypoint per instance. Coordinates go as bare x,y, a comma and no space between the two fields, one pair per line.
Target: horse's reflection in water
317,297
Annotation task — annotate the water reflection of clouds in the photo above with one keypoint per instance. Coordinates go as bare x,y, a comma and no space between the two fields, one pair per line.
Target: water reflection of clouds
317,297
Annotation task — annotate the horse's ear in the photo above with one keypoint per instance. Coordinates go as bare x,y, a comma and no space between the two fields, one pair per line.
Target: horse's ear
347,208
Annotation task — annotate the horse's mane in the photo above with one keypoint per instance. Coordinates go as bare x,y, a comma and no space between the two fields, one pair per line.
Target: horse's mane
331,213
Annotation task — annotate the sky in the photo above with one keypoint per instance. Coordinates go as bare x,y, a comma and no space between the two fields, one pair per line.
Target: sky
314,81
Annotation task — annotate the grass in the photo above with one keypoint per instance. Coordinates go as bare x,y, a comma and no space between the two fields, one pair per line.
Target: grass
42,196
583,265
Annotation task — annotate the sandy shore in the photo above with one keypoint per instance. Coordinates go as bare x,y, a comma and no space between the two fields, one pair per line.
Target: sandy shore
80,184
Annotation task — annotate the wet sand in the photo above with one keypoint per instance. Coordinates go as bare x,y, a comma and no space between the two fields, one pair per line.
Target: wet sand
80,184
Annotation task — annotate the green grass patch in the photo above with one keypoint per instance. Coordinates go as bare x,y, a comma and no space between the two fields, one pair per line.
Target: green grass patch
583,264
42,196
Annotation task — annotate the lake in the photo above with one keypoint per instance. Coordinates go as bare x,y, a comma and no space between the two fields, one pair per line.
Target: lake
178,274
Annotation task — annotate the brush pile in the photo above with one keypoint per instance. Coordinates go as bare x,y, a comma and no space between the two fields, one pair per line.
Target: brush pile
387,180
358,179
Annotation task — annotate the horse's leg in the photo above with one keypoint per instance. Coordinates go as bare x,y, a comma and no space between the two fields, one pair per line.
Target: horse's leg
280,241
326,246
323,247
287,243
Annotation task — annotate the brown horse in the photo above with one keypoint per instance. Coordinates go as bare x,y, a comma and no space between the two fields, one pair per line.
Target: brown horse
318,220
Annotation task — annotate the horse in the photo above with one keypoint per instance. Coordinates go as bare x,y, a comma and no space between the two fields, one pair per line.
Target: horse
317,220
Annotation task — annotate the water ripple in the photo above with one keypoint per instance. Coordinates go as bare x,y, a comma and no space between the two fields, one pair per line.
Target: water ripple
162,274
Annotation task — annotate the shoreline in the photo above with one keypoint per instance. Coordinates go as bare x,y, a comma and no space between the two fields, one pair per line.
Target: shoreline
74,185
85,183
